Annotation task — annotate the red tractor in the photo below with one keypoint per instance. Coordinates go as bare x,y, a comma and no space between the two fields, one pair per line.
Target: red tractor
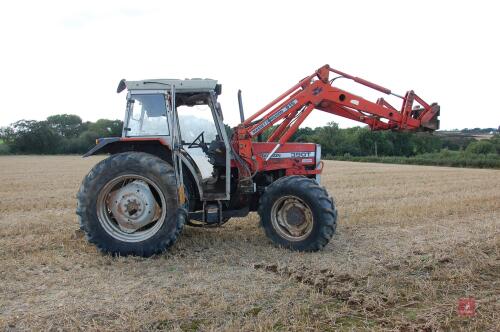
176,163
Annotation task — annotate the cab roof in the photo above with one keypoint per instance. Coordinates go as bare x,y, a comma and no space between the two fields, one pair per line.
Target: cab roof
187,85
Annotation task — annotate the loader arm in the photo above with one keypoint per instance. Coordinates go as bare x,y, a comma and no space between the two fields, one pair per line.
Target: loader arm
317,91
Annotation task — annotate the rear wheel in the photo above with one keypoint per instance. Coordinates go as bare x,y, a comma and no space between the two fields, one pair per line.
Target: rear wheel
298,214
127,204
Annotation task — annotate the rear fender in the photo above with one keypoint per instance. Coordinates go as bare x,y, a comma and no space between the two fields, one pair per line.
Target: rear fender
121,144
155,146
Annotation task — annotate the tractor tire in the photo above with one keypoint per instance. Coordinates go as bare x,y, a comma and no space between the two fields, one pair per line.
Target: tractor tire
127,205
297,213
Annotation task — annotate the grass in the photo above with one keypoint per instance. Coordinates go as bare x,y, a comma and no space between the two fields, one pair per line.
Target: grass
411,241
443,158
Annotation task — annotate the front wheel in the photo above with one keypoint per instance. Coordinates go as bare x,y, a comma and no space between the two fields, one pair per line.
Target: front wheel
298,214
127,205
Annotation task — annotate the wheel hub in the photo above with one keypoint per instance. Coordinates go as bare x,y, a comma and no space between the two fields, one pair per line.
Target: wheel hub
133,206
292,218
295,216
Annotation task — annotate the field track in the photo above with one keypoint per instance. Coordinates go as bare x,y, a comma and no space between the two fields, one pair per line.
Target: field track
411,241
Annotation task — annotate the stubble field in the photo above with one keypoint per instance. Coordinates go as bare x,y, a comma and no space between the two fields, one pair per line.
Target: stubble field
411,241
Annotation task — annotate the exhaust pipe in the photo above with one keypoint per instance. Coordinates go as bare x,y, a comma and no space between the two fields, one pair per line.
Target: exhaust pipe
240,103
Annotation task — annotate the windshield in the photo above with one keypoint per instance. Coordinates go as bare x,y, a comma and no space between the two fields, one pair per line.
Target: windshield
147,115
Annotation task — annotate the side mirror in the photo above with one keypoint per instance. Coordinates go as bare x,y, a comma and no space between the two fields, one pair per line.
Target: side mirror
218,89
121,86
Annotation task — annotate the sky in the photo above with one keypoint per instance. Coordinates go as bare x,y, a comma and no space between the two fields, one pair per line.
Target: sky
68,56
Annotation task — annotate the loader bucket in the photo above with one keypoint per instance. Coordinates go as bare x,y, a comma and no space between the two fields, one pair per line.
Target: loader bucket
433,122
429,121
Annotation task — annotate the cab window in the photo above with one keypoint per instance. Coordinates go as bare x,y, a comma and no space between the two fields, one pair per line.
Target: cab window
147,115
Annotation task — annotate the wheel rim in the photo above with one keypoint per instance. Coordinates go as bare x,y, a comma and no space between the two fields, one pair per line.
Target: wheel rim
131,208
292,218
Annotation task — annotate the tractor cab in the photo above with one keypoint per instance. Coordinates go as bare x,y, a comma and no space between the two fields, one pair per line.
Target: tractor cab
183,115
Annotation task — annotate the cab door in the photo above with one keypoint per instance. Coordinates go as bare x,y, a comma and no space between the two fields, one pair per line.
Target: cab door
176,146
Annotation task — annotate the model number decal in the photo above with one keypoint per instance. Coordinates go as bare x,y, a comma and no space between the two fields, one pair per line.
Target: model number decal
281,155
273,117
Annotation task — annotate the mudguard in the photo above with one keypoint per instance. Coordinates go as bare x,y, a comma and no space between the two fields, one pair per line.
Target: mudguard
110,144
155,145
101,143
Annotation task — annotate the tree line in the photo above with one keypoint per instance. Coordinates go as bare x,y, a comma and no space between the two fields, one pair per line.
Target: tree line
68,134
58,134
362,142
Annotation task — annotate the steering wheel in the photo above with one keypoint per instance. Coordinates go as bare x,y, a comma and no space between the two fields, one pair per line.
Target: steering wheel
201,144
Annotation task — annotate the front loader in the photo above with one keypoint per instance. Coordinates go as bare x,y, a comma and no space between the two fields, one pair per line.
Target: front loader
176,164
